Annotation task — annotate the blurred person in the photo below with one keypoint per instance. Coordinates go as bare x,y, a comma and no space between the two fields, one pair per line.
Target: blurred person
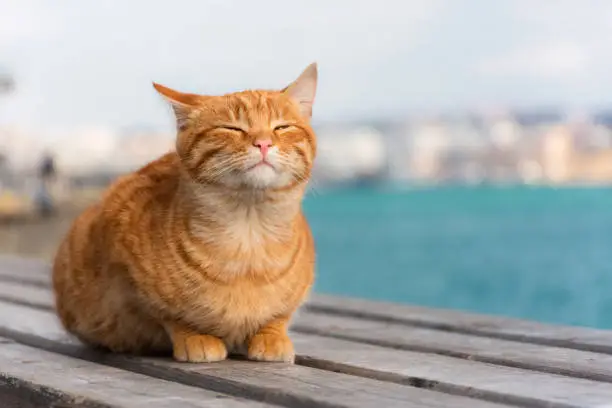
3,163
46,174
3,171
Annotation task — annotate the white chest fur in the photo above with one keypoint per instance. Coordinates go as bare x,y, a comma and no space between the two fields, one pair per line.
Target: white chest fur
244,239
247,241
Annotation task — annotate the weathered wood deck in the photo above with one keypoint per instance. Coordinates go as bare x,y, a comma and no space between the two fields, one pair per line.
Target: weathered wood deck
352,353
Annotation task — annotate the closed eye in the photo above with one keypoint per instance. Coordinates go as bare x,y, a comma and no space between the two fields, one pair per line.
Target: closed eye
282,127
232,128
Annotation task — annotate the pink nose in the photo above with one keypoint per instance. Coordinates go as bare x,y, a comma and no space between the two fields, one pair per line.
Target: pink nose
264,146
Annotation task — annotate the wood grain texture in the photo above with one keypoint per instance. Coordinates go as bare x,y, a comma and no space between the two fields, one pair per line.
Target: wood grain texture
36,272
452,375
424,370
556,360
569,362
581,338
31,272
38,377
26,295
288,385
376,344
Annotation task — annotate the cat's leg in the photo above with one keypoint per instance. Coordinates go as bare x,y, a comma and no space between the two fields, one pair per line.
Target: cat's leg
272,343
193,347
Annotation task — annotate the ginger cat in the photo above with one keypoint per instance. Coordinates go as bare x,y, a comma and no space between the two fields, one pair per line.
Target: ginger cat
204,250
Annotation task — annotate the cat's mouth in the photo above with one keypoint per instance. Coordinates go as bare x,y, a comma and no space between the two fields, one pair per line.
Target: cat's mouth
262,163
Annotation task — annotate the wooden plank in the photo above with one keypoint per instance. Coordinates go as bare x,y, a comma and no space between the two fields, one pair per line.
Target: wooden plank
34,273
41,378
446,374
29,279
580,338
555,360
24,294
452,375
25,266
30,264
288,385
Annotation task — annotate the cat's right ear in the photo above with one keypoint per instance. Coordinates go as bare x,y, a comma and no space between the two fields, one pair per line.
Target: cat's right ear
303,90
182,103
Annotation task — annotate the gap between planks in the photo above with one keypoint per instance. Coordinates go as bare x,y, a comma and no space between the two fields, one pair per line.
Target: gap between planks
287,385
444,374
36,273
548,359
29,377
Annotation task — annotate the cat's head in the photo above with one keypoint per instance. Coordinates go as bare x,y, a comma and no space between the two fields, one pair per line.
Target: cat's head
251,139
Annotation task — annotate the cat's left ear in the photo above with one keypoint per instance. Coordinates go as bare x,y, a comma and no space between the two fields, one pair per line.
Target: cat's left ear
182,103
304,89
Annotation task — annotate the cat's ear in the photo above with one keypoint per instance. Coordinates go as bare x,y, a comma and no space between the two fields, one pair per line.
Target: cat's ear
304,89
182,103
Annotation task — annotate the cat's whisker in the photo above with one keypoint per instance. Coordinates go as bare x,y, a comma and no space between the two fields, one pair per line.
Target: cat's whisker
225,166
312,188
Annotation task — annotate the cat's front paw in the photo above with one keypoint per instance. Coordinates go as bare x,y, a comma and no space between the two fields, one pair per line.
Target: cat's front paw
199,348
271,347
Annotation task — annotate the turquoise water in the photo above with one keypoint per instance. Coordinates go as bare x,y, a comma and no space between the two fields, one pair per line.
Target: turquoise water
537,253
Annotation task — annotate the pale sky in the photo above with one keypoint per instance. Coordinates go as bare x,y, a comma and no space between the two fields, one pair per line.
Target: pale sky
82,63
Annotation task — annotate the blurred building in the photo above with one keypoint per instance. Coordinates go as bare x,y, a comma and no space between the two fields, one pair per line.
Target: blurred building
557,146
504,147
427,141
136,148
348,153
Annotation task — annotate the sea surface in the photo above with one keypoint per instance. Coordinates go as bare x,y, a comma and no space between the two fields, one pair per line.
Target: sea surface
537,253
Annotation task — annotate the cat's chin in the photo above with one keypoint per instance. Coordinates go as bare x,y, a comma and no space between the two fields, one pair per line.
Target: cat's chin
263,176
259,178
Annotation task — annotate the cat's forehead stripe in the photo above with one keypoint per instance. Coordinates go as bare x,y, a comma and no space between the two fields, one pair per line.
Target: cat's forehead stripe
253,108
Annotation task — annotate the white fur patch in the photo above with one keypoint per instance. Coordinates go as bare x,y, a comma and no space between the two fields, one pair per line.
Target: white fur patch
247,224
262,176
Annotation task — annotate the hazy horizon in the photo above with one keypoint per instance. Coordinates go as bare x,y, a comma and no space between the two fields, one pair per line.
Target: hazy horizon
91,64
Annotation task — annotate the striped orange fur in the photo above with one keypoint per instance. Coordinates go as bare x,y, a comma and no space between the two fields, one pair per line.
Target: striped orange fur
205,250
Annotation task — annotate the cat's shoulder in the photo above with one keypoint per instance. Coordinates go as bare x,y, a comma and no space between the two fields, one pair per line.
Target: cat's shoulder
158,177
161,170
166,166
